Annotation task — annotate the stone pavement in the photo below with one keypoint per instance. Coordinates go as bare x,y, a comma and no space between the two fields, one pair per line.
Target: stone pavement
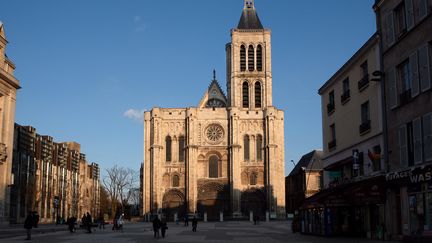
275,231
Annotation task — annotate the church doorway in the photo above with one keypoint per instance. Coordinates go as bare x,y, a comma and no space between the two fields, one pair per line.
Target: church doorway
173,202
213,198
253,200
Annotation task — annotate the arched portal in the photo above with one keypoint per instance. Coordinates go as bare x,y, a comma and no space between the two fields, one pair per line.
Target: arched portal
173,202
213,198
253,200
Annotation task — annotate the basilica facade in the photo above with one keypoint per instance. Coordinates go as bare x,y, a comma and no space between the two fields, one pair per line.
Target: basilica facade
225,155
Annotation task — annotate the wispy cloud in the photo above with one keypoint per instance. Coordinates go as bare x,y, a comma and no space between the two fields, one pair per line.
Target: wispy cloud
139,24
135,114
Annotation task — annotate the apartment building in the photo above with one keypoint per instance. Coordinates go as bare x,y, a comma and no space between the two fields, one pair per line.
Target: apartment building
405,27
53,179
352,201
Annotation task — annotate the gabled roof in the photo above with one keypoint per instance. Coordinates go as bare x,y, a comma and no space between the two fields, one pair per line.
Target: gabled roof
214,92
249,19
307,160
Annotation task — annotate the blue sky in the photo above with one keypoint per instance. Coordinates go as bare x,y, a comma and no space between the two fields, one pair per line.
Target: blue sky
87,67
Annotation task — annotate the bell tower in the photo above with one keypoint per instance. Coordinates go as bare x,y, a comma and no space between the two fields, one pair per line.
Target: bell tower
249,73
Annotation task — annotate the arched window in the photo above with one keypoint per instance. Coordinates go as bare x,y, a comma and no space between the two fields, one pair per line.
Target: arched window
253,179
242,58
214,167
245,95
246,141
176,181
168,148
259,58
257,94
259,148
181,148
251,57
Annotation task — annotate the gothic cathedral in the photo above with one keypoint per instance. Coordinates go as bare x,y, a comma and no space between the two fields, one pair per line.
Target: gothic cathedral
225,156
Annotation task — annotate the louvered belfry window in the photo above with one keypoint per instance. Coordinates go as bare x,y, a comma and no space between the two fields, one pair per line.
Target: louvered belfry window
257,94
246,147
168,148
242,58
251,57
259,58
245,95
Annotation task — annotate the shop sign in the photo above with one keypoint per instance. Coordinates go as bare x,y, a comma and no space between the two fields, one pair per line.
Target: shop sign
416,175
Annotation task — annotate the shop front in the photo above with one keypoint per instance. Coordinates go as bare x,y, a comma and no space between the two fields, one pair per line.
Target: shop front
351,209
410,198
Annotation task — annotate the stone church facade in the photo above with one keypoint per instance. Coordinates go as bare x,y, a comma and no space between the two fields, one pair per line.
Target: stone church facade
227,154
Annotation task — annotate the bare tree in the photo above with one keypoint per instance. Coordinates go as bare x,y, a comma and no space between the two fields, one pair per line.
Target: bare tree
119,182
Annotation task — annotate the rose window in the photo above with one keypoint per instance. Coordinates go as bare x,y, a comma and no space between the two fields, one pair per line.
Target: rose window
214,133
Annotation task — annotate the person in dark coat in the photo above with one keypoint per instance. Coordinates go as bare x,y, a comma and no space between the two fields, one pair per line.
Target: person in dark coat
89,222
28,225
194,224
35,217
186,220
164,227
71,224
156,226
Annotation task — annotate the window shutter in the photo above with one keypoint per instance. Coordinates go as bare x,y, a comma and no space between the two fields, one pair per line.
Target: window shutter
417,137
390,29
409,13
427,139
422,9
403,149
413,61
424,68
392,91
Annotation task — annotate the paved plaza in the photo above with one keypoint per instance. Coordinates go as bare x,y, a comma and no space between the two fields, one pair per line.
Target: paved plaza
276,231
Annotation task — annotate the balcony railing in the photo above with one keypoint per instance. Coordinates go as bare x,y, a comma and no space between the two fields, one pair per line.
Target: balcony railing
332,144
405,97
365,126
345,97
330,107
363,83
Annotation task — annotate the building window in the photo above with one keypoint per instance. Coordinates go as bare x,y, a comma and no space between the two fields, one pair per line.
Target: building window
364,82
176,181
168,148
404,74
181,148
214,167
346,91
331,104
245,95
259,148
253,179
427,136
400,19
257,94
246,147
251,58
332,142
410,143
242,58
259,58
365,124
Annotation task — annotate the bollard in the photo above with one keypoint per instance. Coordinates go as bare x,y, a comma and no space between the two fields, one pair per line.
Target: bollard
175,217
221,216
205,217
250,216
267,216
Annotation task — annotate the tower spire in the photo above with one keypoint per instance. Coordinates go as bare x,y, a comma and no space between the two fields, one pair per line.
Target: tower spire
249,4
214,74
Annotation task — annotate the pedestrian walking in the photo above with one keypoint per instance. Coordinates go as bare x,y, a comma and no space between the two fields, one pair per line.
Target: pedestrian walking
156,226
120,222
88,222
164,227
194,224
28,225
71,224
101,223
186,220
35,217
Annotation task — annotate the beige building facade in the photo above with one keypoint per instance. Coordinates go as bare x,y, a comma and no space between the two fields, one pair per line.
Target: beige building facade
227,154
8,89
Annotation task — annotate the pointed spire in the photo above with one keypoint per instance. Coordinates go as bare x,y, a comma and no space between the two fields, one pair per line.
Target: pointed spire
249,19
214,74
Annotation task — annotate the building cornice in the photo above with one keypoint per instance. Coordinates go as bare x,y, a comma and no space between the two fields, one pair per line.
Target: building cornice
11,80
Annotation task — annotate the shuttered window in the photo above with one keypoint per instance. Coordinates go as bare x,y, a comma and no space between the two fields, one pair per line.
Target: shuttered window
245,90
427,136
259,147
413,62
403,146
389,29
181,148
424,67
168,148
422,9
417,141
246,143
409,12
257,94
251,58
259,58
392,91
242,58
